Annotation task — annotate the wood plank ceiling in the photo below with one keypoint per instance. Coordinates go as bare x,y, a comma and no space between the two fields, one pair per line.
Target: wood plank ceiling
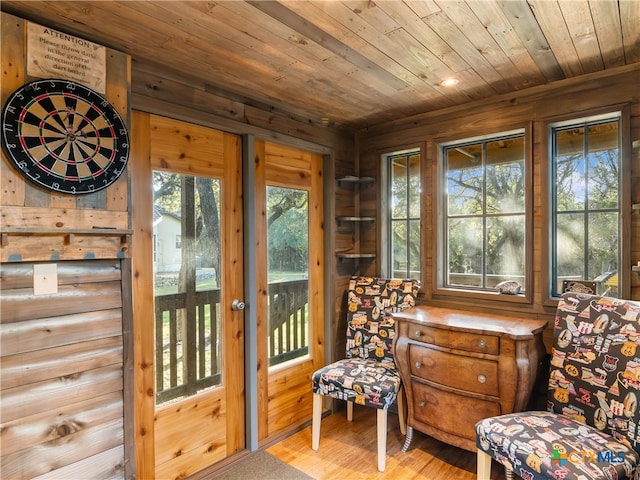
355,64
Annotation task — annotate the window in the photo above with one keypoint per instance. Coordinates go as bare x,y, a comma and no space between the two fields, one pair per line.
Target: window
585,199
484,215
404,215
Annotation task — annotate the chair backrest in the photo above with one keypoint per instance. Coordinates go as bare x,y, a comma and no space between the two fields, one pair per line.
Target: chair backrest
594,374
370,302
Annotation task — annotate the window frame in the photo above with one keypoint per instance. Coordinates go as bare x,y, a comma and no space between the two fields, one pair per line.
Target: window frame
387,218
622,112
441,289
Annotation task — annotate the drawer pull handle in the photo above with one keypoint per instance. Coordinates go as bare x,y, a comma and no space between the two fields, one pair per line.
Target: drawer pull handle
422,404
482,344
418,333
418,365
482,378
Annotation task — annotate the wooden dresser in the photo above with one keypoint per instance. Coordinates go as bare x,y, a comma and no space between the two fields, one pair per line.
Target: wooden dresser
459,367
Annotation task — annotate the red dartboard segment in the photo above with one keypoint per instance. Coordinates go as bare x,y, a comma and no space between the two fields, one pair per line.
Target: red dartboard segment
64,136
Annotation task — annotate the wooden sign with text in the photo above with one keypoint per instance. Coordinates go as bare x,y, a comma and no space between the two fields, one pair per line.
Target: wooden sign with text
53,54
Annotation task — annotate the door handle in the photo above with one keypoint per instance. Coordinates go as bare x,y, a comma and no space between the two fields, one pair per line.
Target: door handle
237,305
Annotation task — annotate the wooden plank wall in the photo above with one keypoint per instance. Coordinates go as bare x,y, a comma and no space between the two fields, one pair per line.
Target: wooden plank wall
589,94
340,200
62,373
66,405
177,95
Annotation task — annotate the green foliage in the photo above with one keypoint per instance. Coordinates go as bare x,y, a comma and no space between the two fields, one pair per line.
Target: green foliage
288,229
587,231
486,196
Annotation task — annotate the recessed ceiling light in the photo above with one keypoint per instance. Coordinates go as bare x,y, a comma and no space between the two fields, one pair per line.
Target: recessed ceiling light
449,82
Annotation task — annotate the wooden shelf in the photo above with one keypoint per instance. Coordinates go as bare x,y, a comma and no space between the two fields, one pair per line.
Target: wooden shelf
356,256
68,233
356,219
353,179
33,244
355,222
109,232
635,206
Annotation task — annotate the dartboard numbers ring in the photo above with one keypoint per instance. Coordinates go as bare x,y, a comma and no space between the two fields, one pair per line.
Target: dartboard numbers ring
64,136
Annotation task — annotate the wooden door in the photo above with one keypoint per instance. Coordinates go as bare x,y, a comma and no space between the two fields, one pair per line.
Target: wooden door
289,281
193,249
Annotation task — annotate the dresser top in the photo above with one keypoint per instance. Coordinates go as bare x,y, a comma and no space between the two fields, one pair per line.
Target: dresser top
474,322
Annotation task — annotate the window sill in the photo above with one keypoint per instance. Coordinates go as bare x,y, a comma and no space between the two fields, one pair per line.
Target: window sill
458,294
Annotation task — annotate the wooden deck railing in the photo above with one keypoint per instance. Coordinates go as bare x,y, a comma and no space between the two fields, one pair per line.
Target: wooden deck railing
188,336
187,343
288,320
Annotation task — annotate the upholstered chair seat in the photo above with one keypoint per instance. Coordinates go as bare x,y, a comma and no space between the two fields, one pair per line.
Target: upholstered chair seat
368,376
546,445
362,381
591,430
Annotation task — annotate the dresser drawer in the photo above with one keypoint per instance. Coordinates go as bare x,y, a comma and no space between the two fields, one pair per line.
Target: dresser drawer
470,342
450,412
465,373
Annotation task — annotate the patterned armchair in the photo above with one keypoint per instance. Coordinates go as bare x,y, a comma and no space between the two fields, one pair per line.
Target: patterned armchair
592,427
368,375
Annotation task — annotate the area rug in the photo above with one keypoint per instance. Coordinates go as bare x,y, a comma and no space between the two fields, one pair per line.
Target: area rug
262,466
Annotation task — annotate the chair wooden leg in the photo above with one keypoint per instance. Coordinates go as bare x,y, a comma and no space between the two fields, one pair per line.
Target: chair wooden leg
315,421
381,422
350,411
484,466
402,411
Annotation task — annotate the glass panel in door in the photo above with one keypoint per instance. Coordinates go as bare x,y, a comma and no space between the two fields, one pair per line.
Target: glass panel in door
288,273
186,284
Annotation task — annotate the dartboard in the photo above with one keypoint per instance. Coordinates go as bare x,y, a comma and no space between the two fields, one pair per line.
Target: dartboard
64,136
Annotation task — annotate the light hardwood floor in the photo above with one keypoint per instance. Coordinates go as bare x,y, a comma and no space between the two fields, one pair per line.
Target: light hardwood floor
348,451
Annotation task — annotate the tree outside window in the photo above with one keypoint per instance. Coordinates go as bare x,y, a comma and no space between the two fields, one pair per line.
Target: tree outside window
187,283
586,203
404,212
288,274
484,226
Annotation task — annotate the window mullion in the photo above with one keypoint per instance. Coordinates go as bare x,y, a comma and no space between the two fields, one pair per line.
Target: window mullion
585,155
407,215
485,242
